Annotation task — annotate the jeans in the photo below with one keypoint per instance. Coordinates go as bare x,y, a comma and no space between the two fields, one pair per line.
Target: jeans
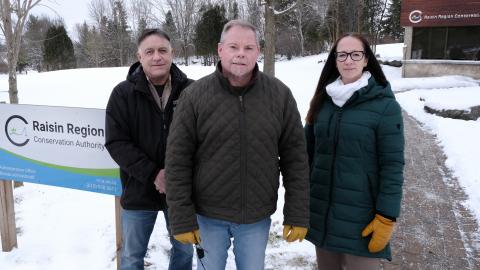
137,226
249,243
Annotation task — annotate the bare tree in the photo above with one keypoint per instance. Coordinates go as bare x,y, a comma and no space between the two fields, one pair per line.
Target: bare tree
254,14
269,52
302,12
140,11
185,15
97,10
13,16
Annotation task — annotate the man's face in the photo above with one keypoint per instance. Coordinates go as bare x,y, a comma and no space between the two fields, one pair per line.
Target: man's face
155,54
238,52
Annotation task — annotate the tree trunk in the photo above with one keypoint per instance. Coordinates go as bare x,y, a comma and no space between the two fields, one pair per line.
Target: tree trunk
269,52
337,20
300,29
12,84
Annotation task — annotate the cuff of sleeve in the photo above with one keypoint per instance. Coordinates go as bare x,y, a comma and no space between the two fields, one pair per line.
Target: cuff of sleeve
394,219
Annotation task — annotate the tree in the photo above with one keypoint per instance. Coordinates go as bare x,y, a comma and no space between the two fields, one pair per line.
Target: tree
12,31
373,16
98,10
80,46
391,24
120,36
169,26
34,36
208,31
185,15
140,15
58,48
255,14
269,52
90,46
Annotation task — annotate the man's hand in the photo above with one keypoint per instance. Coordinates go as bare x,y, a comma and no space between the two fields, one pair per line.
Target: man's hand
192,237
382,229
160,181
293,233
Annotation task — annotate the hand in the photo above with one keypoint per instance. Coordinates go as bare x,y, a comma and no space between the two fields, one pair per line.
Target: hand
382,229
192,237
160,181
293,233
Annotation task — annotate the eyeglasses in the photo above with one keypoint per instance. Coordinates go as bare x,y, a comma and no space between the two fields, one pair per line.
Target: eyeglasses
355,55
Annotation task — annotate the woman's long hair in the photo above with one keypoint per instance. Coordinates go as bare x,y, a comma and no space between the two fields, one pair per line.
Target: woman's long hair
330,73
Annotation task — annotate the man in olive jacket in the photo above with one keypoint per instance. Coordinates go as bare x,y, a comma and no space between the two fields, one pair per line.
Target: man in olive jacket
232,134
138,117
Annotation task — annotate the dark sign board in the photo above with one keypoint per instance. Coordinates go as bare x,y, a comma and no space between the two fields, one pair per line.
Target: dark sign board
423,13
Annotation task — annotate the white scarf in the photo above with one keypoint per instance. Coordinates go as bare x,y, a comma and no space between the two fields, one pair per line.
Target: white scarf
340,92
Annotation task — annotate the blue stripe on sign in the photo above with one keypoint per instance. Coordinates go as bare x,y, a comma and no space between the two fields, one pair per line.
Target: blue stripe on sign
17,169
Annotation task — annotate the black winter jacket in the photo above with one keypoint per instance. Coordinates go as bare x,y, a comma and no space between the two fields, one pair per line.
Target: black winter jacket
136,134
227,149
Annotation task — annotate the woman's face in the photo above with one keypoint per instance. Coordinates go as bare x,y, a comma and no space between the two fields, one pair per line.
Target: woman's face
350,59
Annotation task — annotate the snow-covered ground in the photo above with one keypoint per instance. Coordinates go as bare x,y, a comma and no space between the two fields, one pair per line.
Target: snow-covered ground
69,229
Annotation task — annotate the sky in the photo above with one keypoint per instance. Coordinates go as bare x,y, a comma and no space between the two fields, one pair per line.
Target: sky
61,228
72,11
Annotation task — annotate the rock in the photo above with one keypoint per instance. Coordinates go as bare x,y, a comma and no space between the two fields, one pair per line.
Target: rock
473,114
393,63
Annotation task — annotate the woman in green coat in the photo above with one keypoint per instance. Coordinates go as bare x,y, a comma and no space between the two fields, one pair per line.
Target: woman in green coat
355,143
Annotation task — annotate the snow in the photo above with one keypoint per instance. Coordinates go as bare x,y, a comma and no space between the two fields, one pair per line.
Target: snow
69,229
454,98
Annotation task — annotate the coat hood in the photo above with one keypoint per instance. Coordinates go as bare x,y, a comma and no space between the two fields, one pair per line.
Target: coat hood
372,91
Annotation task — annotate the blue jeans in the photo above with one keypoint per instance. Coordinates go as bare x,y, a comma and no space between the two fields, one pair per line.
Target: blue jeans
137,226
249,243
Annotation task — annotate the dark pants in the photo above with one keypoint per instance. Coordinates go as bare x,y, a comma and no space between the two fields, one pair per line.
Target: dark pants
328,260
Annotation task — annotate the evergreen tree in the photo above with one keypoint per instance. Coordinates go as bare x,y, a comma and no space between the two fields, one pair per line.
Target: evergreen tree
169,26
142,25
81,46
58,49
121,36
208,31
33,40
391,25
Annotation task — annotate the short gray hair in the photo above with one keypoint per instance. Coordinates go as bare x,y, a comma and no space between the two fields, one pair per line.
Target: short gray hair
240,23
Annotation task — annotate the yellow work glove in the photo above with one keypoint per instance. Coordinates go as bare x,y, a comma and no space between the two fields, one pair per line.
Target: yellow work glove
293,233
382,229
192,237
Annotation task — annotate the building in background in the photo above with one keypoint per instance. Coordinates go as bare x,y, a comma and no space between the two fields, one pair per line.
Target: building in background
442,37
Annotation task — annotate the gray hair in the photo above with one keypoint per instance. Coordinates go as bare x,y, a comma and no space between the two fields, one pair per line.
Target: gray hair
240,23
152,31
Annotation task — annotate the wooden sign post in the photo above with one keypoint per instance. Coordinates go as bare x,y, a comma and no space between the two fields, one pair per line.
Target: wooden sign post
7,216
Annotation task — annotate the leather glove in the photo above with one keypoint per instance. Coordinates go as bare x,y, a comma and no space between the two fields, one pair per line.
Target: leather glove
192,237
382,229
293,233
160,181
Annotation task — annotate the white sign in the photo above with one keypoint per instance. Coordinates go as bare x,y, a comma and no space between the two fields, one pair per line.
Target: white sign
56,146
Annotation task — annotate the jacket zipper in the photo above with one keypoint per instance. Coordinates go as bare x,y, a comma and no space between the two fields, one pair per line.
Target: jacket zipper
332,169
243,163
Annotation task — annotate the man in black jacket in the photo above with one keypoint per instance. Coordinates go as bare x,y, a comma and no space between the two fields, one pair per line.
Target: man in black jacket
234,131
138,117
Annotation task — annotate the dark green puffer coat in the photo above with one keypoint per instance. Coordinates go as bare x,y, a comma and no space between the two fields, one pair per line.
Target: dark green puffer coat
356,165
